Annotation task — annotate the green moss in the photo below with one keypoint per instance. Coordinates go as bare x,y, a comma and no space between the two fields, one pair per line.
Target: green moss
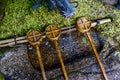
1,77
84,40
20,19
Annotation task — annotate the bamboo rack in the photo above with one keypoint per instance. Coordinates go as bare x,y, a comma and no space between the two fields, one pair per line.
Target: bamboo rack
20,40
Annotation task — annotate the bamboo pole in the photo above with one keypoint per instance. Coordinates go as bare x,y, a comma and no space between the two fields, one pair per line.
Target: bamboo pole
12,40
20,40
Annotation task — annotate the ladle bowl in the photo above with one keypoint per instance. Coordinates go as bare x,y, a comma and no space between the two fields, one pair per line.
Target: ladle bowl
52,32
34,37
83,24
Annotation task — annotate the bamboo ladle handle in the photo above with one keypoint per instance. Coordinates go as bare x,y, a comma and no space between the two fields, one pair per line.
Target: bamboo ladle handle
53,33
41,62
97,56
34,38
84,25
61,60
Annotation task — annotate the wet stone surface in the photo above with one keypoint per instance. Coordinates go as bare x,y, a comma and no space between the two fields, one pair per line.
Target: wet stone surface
72,48
88,68
15,65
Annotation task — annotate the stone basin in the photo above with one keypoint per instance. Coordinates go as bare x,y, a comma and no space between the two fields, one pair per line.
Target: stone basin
73,46
22,63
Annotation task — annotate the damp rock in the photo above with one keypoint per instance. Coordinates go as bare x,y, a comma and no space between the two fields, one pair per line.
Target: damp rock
110,2
73,46
15,65
88,68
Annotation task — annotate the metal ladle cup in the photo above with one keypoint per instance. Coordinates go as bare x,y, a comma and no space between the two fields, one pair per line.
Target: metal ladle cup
84,25
34,38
